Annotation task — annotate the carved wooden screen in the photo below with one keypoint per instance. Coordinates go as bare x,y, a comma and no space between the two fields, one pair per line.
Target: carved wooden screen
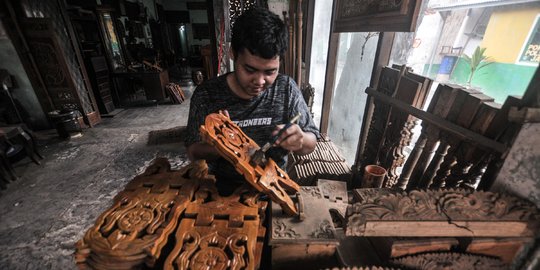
63,89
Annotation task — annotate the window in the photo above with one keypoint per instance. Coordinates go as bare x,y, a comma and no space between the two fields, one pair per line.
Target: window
530,54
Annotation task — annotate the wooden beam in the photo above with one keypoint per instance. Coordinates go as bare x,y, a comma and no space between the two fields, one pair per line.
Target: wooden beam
441,123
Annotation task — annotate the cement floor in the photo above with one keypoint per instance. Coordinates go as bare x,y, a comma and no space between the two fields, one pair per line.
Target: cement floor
48,209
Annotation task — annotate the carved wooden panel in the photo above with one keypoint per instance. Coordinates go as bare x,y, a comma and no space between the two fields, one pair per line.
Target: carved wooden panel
335,192
450,260
387,85
235,146
442,213
219,232
399,134
316,226
58,67
376,16
133,231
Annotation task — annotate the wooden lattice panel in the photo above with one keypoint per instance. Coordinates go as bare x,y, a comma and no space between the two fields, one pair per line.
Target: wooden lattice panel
219,232
435,213
135,228
235,146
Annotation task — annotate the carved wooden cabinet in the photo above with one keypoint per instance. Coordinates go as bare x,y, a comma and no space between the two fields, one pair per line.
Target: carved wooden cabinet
66,87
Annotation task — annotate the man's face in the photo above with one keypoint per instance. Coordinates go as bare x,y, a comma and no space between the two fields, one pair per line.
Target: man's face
253,74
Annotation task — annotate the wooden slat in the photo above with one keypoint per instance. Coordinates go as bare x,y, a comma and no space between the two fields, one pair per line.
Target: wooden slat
441,123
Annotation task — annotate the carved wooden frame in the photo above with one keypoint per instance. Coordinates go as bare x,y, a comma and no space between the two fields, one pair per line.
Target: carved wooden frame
376,16
235,146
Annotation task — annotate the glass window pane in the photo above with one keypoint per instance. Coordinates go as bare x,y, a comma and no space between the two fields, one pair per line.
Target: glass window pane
356,55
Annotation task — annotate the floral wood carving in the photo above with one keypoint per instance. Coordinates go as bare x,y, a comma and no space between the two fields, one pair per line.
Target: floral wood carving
450,260
234,145
135,228
462,209
219,232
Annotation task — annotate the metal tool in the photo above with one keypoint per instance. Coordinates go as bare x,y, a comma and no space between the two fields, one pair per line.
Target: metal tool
258,156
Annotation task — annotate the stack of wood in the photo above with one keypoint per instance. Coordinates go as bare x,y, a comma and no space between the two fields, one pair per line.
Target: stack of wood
176,93
209,229
325,162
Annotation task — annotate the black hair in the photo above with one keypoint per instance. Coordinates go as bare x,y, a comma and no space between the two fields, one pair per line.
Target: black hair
261,32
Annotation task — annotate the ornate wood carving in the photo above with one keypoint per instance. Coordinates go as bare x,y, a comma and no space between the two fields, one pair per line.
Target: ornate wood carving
316,228
219,232
135,228
55,62
234,145
450,260
387,85
442,213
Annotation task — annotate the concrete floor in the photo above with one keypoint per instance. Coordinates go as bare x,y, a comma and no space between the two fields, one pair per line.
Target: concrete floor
51,205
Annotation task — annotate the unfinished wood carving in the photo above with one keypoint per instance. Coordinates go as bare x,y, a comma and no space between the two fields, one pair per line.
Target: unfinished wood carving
234,145
135,228
450,260
442,213
219,232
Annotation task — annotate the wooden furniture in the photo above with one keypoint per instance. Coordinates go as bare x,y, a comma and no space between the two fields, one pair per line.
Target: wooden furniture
235,146
153,83
65,89
101,82
176,92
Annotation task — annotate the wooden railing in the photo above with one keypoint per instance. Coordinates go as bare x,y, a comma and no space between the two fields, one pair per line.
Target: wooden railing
463,135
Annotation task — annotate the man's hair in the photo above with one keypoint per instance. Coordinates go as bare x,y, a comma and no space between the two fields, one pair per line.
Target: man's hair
261,32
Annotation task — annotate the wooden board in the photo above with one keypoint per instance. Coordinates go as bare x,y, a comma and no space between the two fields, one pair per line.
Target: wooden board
442,213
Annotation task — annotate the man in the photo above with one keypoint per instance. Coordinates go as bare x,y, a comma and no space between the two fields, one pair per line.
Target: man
256,97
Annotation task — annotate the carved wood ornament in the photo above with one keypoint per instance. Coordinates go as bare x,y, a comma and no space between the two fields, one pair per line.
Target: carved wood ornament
135,228
219,232
442,213
212,232
234,145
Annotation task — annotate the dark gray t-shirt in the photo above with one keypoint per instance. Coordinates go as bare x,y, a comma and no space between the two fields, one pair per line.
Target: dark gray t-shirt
257,117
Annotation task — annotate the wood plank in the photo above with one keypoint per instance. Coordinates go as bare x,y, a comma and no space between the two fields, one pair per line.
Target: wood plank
441,123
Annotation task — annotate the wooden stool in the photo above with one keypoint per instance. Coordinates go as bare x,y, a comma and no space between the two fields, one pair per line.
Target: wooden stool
20,135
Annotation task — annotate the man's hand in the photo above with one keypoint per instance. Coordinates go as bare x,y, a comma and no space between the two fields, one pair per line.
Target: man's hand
295,139
201,150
